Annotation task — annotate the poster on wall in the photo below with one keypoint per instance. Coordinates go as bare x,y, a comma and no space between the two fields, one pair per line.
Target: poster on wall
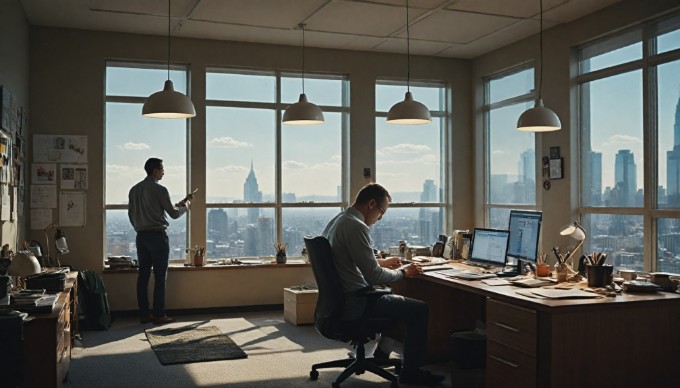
43,196
44,174
72,208
40,218
74,176
59,149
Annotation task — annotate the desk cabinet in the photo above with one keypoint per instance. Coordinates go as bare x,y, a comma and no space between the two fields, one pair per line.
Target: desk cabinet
48,341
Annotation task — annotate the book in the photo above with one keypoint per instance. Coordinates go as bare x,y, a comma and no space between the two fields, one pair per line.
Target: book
533,282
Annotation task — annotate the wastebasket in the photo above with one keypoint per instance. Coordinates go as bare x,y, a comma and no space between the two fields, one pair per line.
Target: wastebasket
468,353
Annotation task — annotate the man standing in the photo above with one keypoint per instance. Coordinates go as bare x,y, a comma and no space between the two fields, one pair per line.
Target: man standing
357,266
148,203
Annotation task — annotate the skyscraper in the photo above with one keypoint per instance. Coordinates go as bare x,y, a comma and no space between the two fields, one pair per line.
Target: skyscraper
218,222
625,177
595,171
673,163
527,166
252,193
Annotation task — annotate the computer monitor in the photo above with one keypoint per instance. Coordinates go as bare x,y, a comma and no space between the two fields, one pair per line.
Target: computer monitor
489,247
525,229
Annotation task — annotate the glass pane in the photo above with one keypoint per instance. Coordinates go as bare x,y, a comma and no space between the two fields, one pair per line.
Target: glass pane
668,119
668,245
322,92
669,38
136,82
312,161
131,139
240,87
612,141
301,222
240,154
120,236
619,236
408,157
499,218
239,232
511,85
613,51
388,95
512,158
416,226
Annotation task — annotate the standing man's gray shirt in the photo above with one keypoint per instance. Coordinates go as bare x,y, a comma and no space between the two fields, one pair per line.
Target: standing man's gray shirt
148,202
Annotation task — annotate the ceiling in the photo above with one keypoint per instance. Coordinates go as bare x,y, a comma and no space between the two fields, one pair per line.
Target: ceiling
446,28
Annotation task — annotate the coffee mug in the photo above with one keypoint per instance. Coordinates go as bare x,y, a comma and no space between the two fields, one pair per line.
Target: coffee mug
628,274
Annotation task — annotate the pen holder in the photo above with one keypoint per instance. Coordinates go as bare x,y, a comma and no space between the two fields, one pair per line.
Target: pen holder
542,270
198,261
599,275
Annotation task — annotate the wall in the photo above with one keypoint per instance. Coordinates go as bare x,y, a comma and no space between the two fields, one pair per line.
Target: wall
560,203
14,75
67,77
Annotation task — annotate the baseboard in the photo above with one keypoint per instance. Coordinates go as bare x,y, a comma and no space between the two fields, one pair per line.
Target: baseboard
206,310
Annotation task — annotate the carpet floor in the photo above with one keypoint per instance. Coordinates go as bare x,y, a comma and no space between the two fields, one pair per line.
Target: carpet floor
279,355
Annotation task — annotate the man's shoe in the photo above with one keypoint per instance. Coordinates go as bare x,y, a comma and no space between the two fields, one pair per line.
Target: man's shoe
420,377
146,319
163,320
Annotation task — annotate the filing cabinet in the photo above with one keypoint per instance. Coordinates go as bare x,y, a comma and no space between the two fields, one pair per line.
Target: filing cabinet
511,345
299,305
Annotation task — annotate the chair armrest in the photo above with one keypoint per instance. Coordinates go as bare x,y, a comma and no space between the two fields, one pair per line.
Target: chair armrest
372,290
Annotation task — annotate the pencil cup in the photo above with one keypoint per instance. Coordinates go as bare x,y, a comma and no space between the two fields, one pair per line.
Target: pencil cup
599,275
542,270
198,261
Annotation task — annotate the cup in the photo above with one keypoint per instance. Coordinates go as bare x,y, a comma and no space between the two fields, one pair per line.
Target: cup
628,274
542,270
599,275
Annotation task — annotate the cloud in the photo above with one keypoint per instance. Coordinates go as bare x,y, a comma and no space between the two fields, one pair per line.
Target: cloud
229,142
232,169
623,139
498,152
130,146
406,149
425,159
118,169
293,164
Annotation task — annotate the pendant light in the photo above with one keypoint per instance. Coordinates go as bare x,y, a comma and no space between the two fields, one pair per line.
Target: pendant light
303,112
168,104
539,118
408,111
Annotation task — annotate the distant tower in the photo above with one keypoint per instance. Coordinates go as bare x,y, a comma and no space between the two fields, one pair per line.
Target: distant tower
527,166
595,178
218,223
252,193
673,163
626,179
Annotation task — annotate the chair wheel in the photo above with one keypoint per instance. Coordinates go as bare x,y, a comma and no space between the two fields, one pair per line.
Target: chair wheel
314,375
397,368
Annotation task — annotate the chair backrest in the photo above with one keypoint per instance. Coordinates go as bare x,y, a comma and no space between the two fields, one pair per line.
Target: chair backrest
331,300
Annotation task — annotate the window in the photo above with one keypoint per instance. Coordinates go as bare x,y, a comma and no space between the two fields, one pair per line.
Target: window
630,146
265,181
410,164
510,155
130,140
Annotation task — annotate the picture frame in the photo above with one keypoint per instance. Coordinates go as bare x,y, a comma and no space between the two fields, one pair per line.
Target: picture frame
554,152
556,168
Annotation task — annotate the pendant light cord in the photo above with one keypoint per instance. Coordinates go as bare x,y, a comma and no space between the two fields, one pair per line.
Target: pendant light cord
302,26
408,53
540,40
168,39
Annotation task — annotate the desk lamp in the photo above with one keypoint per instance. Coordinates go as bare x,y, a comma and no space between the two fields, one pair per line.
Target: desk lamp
59,242
576,232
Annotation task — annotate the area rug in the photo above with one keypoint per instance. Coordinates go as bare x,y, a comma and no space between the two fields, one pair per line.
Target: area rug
183,345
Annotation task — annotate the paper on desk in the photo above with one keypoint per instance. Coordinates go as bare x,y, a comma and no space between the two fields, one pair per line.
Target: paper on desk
554,293
496,282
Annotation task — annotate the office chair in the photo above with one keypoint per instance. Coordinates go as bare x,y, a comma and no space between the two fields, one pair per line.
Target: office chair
328,319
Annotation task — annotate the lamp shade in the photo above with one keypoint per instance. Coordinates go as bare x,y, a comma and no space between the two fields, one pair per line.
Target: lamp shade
409,111
168,104
575,231
538,119
23,264
303,112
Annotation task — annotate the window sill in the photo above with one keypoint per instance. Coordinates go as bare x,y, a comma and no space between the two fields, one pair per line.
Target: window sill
212,267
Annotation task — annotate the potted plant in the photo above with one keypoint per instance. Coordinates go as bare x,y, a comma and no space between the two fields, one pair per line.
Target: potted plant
280,252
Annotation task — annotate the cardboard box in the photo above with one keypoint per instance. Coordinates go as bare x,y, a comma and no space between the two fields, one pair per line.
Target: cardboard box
299,305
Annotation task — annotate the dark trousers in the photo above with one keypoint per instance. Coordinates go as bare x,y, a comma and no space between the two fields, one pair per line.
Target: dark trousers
153,251
414,314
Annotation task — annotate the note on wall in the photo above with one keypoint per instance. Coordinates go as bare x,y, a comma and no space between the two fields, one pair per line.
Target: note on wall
40,218
59,148
44,174
74,176
43,196
72,208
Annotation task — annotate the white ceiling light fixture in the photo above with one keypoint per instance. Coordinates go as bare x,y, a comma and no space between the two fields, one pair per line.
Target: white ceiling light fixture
303,112
408,111
539,118
168,104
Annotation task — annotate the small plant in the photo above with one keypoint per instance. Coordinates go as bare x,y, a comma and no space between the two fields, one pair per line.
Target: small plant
280,248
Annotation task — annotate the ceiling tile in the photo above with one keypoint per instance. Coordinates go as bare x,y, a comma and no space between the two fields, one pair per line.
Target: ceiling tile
268,13
457,27
512,8
179,8
418,47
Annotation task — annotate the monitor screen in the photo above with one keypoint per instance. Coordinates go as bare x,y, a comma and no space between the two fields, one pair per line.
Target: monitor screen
489,246
525,230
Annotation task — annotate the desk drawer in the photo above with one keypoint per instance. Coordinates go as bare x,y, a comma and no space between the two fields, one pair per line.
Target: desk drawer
511,326
506,367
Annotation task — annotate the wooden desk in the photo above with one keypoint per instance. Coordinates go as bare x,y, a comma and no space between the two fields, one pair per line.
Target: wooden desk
48,340
630,340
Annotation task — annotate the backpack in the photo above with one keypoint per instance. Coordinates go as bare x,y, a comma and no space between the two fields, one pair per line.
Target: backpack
93,301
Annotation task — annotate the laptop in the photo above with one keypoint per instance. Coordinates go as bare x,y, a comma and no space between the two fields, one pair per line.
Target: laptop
489,248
